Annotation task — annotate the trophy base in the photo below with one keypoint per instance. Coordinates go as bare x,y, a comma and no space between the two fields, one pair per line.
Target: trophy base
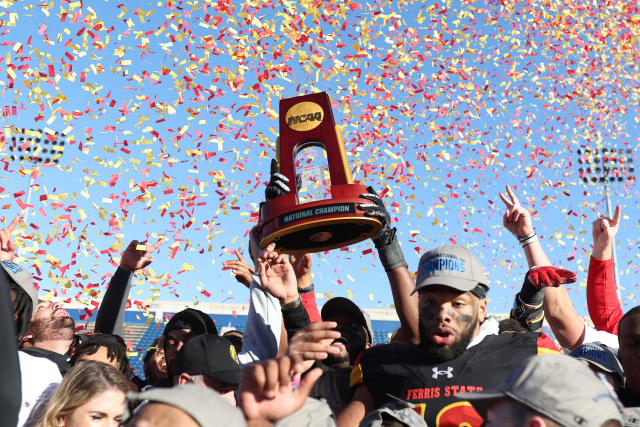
317,226
322,234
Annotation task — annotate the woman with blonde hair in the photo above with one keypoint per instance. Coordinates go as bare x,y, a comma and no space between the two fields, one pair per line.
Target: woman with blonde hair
91,394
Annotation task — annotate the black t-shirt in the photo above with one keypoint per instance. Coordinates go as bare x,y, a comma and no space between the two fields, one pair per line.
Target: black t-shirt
628,398
402,370
333,386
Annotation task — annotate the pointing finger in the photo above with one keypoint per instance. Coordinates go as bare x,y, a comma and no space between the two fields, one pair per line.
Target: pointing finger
155,246
14,223
616,217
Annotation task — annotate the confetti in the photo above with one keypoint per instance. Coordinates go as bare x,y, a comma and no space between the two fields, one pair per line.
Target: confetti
163,120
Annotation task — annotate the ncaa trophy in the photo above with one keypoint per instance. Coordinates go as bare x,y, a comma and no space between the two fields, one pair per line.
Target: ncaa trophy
319,225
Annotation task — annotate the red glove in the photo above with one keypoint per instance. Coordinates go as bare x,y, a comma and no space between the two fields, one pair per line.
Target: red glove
550,276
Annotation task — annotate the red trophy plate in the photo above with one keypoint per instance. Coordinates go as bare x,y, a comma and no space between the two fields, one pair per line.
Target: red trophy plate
307,121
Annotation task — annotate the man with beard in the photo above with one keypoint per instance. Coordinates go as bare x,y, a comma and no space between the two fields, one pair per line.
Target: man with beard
354,325
51,334
355,330
453,356
36,376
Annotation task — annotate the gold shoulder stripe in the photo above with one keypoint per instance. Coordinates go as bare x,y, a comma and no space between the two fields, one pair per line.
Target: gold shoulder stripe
356,376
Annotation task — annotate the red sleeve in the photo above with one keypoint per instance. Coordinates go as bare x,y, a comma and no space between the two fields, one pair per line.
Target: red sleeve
309,303
602,300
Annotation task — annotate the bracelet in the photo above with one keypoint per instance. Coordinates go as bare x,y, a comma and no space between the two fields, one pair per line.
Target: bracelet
530,240
292,305
526,236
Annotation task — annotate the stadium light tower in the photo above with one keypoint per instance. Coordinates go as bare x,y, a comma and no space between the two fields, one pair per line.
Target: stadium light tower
35,146
607,167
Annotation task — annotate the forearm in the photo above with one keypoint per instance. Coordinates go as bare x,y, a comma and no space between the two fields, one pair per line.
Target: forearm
567,326
361,404
602,252
602,299
535,255
261,339
295,319
402,287
406,304
110,317
528,307
284,341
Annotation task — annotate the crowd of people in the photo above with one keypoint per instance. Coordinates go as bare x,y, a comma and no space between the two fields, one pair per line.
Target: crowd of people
448,364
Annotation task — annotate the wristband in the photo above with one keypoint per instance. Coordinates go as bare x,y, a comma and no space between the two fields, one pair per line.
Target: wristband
291,305
526,236
306,290
391,255
529,241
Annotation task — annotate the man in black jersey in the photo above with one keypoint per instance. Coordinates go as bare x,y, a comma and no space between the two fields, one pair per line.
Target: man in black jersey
454,355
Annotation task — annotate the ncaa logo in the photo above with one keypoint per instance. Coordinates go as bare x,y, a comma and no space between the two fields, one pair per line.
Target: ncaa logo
304,116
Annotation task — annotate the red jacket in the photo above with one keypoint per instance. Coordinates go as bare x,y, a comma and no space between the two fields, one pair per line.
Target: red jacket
602,299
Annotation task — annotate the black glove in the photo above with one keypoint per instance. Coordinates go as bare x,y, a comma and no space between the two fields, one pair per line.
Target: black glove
377,210
531,294
528,308
278,183
385,240
539,278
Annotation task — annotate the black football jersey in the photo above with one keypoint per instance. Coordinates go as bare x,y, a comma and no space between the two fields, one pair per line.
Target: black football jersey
402,370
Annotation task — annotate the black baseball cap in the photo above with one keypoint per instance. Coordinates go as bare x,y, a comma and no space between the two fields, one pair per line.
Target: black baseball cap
190,318
212,356
341,306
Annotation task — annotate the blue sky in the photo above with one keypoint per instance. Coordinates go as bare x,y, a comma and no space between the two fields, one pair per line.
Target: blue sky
170,117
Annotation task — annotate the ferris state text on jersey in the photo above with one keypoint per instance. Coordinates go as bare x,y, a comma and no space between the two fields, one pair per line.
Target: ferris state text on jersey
403,371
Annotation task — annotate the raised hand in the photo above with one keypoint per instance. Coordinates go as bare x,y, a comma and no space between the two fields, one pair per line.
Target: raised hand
240,268
7,245
254,245
378,210
517,218
604,233
266,394
133,259
277,184
277,276
311,343
302,267
550,277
